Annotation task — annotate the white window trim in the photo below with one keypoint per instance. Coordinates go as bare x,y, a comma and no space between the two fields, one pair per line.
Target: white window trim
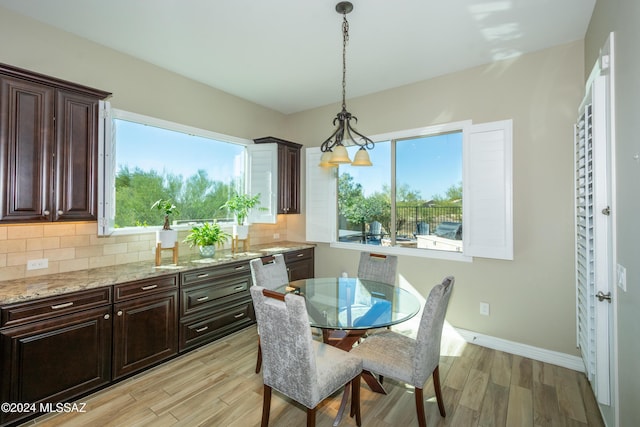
106,174
505,192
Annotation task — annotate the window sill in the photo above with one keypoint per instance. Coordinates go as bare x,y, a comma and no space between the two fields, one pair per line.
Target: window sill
394,250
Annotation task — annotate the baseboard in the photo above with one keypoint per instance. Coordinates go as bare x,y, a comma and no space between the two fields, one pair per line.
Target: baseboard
535,353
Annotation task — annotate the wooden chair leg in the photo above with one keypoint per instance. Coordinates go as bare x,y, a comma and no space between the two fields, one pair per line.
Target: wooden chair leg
259,361
266,405
355,399
422,421
311,417
436,386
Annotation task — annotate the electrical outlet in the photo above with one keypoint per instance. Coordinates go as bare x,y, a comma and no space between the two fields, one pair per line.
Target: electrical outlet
621,272
484,308
276,235
37,264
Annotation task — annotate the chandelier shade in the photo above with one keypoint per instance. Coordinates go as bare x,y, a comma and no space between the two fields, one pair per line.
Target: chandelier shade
333,148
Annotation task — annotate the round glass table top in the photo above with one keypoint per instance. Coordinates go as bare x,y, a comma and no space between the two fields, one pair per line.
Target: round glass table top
352,303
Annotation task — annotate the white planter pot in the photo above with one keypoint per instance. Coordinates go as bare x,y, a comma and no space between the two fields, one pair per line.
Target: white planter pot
241,231
167,238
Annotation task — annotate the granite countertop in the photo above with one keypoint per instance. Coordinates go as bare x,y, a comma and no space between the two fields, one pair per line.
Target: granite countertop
21,290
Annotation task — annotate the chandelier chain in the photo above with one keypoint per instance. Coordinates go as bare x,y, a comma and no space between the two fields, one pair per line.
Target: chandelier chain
345,39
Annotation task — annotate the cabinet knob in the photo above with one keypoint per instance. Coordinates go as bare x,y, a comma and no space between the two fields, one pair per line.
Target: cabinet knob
106,316
119,313
46,212
60,212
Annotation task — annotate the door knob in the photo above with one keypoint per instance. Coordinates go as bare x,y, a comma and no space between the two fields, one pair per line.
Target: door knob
601,296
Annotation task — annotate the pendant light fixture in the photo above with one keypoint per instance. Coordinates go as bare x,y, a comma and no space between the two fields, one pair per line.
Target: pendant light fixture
333,149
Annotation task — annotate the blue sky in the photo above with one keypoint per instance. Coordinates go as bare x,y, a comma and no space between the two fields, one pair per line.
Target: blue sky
149,148
429,164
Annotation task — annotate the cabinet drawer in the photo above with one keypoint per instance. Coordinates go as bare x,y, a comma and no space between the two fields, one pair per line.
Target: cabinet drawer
206,274
50,307
207,295
145,287
298,255
216,324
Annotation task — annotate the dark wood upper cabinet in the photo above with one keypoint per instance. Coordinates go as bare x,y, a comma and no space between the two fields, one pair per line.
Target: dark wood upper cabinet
288,174
48,148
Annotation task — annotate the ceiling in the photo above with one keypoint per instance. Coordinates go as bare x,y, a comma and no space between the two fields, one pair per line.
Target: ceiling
287,54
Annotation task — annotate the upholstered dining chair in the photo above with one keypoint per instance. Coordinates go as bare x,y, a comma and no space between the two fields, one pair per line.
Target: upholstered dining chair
268,272
297,366
411,360
378,267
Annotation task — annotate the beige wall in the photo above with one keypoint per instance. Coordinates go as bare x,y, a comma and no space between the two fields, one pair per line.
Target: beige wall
623,18
533,297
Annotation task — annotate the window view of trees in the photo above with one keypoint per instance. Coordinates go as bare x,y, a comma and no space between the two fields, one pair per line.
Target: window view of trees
196,172
369,213
198,197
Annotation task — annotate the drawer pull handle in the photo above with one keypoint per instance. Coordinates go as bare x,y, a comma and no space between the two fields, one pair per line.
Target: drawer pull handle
300,255
239,288
59,306
239,315
202,329
202,299
241,267
148,288
203,275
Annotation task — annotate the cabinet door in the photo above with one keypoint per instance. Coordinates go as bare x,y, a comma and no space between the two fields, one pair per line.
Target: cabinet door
289,179
26,126
76,156
145,331
57,359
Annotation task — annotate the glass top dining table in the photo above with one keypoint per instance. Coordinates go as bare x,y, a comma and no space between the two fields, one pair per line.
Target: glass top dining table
348,303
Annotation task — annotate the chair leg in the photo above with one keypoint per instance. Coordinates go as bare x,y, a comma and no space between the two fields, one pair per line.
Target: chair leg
355,399
422,422
266,405
436,386
311,417
259,361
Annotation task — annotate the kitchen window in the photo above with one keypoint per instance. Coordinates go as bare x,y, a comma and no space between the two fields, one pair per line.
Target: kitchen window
440,191
144,159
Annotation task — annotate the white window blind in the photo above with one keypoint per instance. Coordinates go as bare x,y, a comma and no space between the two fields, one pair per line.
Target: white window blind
262,178
321,199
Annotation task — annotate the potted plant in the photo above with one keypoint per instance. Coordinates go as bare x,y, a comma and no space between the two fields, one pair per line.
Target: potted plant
206,237
167,237
240,205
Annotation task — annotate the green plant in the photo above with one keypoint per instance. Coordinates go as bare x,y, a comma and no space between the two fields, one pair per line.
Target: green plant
240,205
207,234
167,208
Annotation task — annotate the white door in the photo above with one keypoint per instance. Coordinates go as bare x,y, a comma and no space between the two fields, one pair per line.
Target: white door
594,230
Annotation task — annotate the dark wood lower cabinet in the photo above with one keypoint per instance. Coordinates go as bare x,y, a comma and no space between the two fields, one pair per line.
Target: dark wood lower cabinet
55,360
145,332
300,264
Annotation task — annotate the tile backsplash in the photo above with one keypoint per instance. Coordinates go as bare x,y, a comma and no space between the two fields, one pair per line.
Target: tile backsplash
73,246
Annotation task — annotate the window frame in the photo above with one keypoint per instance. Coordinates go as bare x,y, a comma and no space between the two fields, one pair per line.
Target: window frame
323,185
107,168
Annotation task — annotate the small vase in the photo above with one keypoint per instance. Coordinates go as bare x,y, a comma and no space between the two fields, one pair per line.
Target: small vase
241,231
207,251
167,238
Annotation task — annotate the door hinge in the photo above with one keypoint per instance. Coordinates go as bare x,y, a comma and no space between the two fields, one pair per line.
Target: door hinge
606,211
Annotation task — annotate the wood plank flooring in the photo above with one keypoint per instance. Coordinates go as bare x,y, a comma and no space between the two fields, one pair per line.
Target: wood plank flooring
216,386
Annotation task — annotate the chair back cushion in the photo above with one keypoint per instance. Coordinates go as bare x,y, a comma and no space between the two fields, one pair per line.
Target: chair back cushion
381,268
288,357
427,355
269,272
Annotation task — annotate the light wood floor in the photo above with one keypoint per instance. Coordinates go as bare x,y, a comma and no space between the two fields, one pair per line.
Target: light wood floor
216,386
